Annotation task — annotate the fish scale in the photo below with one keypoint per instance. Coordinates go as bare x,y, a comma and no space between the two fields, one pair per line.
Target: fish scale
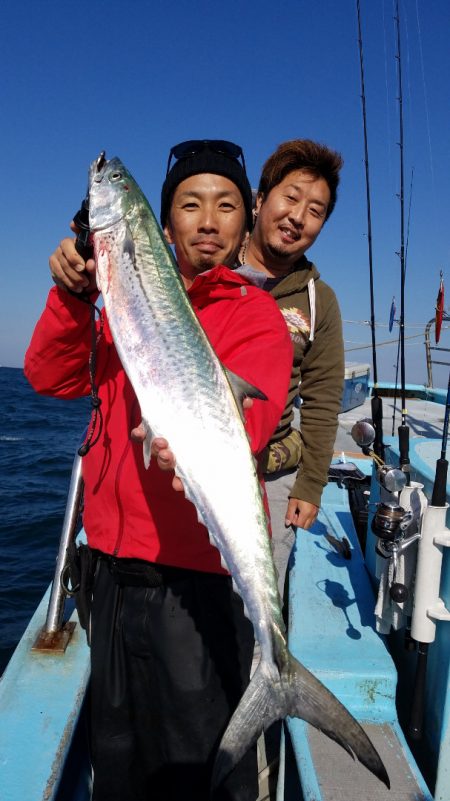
186,396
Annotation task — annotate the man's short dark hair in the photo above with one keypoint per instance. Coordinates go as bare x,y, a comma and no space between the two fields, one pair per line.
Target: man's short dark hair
302,154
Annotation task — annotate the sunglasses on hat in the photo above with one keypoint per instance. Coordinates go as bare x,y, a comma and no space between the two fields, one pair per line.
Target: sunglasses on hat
193,146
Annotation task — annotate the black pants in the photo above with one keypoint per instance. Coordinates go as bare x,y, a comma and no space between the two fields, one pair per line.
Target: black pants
169,666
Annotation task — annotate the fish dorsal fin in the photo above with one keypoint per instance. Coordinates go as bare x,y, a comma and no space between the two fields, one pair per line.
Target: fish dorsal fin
243,389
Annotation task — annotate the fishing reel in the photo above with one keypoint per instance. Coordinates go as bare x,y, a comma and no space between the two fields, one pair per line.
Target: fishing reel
391,478
390,521
363,433
390,524
81,220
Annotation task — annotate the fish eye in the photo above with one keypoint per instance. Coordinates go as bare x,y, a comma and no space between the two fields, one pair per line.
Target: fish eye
115,176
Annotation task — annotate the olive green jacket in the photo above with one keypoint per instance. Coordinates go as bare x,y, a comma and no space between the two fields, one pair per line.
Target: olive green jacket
319,370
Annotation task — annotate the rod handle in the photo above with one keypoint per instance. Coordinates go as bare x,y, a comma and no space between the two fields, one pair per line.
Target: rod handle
83,243
439,495
377,418
403,444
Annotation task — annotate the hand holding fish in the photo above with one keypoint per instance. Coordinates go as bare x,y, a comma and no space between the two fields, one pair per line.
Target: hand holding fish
161,451
69,270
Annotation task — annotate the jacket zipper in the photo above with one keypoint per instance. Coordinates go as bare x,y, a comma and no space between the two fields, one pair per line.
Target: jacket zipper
117,487
118,499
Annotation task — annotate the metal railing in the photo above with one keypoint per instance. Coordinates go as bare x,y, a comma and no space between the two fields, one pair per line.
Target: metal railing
429,347
55,634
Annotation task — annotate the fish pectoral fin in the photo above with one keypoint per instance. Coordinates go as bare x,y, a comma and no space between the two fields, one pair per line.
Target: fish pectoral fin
147,444
299,694
128,247
243,389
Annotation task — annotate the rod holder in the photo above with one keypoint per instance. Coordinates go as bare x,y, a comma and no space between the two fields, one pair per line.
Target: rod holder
428,606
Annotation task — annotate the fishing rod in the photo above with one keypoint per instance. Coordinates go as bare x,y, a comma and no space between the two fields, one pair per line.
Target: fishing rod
83,243
403,429
83,246
439,495
428,576
376,402
394,409
392,312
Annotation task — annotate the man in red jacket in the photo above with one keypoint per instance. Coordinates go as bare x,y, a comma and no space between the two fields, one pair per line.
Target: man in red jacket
170,646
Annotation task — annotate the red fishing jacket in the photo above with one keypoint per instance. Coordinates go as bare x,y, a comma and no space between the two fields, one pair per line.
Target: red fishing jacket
130,511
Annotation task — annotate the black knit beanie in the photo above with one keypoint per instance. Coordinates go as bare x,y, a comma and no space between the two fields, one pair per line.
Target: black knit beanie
206,161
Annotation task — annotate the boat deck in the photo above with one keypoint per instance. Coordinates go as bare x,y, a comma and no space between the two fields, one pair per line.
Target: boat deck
340,781
331,631
41,695
425,419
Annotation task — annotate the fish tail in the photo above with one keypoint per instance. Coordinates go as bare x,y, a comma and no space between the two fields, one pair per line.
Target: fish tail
295,692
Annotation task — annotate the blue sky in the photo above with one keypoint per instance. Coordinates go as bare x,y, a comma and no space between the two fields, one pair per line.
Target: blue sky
135,78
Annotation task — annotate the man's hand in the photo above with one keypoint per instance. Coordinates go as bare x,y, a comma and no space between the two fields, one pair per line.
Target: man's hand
68,268
300,513
165,460
160,449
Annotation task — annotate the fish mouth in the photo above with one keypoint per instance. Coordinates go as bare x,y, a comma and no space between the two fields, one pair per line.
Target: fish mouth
97,168
101,166
106,191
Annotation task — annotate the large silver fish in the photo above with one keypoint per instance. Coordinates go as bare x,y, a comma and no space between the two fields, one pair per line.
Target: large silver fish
187,397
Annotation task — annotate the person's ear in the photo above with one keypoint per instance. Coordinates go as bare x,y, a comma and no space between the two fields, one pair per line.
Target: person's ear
168,234
259,202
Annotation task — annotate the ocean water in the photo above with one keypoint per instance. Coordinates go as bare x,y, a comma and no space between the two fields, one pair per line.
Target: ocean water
38,440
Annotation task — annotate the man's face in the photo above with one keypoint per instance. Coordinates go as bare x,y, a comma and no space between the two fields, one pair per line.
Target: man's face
206,223
291,217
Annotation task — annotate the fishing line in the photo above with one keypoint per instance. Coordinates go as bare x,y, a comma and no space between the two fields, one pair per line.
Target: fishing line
408,67
96,333
427,114
409,220
388,123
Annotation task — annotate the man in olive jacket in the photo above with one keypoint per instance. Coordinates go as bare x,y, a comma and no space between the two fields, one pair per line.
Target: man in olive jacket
296,195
